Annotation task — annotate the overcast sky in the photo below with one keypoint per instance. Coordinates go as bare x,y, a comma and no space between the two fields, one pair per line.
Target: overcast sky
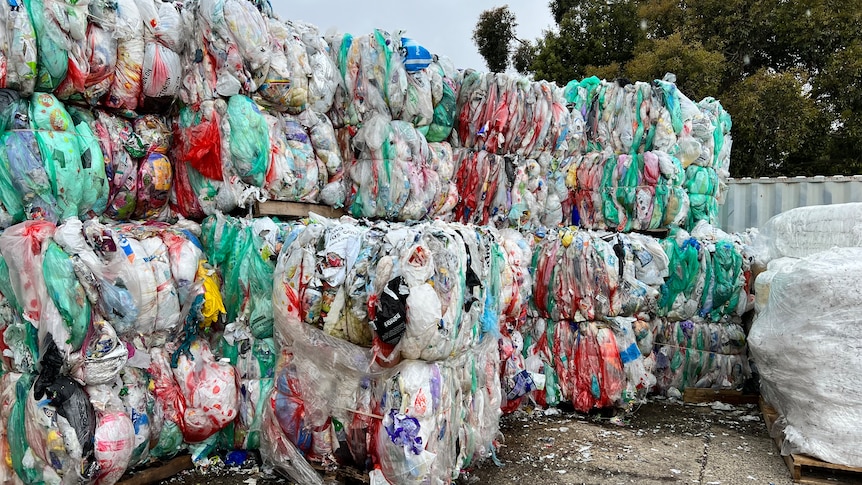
445,27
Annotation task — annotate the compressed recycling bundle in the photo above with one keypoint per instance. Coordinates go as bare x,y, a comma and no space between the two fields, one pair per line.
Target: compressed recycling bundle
510,115
390,340
803,231
669,307
698,337
641,144
805,345
807,304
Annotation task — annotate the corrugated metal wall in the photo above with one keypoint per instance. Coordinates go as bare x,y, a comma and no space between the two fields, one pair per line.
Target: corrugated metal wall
752,202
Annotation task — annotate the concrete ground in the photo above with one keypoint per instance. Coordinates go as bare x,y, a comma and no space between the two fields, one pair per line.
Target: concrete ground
662,442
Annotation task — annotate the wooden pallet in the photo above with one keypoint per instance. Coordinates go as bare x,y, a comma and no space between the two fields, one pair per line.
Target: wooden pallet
294,209
157,474
696,395
806,469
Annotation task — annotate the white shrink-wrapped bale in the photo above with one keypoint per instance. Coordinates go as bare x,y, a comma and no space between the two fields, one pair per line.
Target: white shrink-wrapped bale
803,231
806,345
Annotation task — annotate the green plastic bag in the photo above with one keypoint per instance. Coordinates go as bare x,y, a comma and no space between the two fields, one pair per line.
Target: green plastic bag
444,116
67,293
249,140
219,236
16,434
61,155
684,261
248,285
53,59
170,441
94,181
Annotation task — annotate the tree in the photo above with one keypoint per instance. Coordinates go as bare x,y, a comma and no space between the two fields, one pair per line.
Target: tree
493,35
788,72
698,70
522,58
589,33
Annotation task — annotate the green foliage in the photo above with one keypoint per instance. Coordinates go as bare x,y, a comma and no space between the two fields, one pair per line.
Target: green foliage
789,72
698,70
590,33
522,58
493,35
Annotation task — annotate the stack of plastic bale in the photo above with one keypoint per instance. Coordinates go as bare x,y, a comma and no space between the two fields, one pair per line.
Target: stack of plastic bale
252,123
103,363
649,158
390,354
805,338
587,339
253,94
698,337
394,110
508,135
243,253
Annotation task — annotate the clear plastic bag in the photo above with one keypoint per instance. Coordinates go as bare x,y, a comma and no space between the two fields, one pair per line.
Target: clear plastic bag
131,46
20,46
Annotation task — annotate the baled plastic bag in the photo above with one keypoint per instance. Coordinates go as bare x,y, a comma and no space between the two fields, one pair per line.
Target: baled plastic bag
53,60
114,439
101,55
324,73
61,419
285,86
249,140
131,48
325,144
94,191
119,141
67,293
61,153
168,313
210,390
169,403
20,48
140,405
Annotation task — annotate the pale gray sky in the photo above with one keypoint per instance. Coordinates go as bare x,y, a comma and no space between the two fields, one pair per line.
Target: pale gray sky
445,27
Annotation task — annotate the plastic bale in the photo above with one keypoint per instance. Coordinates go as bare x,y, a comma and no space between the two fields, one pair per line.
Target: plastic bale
307,171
